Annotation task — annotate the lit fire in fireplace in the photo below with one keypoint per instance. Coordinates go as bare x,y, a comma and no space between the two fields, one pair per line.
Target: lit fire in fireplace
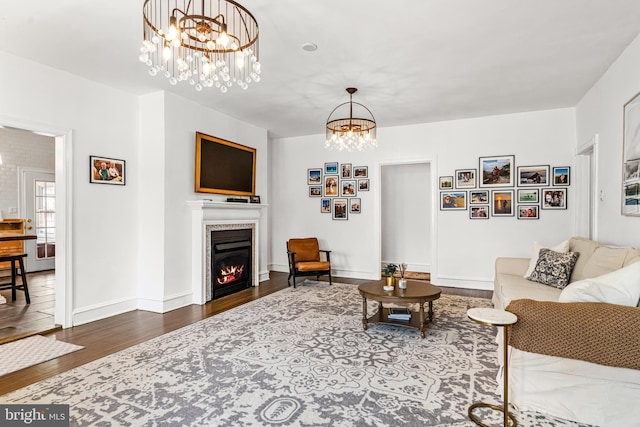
230,274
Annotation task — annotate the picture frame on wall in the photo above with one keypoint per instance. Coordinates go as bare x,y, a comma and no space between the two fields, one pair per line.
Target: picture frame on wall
315,191
465,178
348,188
478,197
554,198
325,205
479,212
331,185
537,175
363,185
561,176
528,195
345,170
454,200
254,199
106,170
528,212
496,171
502,203
331,168
446,183
631,157
361,172
355,205
340,209
314,176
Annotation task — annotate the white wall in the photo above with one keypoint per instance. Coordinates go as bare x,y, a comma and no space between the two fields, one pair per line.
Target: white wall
463,250
601,112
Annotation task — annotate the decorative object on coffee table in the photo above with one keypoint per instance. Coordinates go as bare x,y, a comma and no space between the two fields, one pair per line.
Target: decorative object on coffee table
389,270
495,317
402,283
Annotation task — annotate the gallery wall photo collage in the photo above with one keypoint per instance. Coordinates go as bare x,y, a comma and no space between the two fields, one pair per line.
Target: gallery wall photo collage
338,185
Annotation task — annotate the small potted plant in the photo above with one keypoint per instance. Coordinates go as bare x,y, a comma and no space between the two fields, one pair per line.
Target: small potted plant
389,270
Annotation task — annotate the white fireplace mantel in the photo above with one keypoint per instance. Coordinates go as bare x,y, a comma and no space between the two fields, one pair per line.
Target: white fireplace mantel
206,214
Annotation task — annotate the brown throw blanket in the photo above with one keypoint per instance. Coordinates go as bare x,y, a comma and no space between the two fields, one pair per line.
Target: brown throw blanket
605,334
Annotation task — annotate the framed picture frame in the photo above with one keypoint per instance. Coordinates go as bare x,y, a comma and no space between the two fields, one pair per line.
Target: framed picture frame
331,168
315,191
502,203
254,199
363,185
453,200
325,205
348,188
340,209
361,172
314,176
355,205
446,183
346,170
479,212
561,176
554,198
528,195
536,175
478,197
466,178
528,212
496,171
106,170
331,185
631,157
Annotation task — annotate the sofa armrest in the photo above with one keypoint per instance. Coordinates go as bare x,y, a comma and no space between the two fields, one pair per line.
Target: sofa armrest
513,266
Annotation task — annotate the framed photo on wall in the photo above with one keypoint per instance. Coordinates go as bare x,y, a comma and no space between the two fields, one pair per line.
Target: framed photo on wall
331,185
456,200
529,176
105,170
528,212
478,197
315,191
314,176
361,172
528,195
479,212
345,170
631,157
331,168
348,187
325,205
355,205
497,171
340,209
555,198
502,202
446,182
562,176
363,185
465,178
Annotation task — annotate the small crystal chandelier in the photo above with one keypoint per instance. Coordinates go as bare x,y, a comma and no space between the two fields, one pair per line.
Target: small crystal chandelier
204,42
351,133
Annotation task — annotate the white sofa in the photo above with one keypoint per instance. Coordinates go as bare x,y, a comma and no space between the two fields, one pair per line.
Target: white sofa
569,388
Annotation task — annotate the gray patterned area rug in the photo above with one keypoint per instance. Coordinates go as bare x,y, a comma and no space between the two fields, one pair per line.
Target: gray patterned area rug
298,357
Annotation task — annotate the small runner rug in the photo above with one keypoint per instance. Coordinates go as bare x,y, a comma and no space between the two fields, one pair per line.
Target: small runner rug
30,351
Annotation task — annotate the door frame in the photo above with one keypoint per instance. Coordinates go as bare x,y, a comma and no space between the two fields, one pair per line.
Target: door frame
64,212
586,178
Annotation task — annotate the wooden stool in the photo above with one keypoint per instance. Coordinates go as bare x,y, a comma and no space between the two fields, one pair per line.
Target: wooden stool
16,261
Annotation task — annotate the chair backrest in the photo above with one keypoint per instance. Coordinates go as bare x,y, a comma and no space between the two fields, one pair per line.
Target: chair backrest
306,249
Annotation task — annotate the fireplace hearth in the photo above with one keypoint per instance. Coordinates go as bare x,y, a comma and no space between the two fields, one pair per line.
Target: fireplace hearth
231,261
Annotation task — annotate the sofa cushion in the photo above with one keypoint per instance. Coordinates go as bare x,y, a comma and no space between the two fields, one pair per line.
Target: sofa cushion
620,287
585,248
535,253
604,260
510,288
632,256
554,268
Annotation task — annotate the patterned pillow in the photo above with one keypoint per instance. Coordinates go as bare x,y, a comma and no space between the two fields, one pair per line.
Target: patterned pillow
554,268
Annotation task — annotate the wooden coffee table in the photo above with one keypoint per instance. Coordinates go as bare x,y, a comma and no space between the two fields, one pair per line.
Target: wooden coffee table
415,293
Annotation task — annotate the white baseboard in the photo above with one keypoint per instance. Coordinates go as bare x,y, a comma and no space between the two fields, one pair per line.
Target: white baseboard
101,311
169,303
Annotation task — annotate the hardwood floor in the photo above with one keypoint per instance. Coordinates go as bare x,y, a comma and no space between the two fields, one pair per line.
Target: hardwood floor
116,333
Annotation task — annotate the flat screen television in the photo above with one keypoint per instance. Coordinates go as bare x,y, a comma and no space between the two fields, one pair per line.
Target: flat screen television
224,167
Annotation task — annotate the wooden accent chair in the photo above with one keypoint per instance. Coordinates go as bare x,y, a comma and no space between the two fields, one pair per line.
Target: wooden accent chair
16,261
304,259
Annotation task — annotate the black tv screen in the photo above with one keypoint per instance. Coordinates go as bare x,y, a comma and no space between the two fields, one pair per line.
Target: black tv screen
224,167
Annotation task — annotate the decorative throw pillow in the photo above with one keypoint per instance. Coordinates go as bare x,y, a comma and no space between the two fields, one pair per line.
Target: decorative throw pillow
620,287
554,268
560,247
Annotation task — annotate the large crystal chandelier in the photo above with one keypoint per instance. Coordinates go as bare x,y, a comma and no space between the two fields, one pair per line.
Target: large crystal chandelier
351,133
204,42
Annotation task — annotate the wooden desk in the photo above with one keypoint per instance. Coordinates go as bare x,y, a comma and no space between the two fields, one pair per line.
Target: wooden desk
8,237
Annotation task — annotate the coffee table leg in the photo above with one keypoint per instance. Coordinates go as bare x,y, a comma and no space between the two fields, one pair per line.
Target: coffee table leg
364,313
430,311
422,335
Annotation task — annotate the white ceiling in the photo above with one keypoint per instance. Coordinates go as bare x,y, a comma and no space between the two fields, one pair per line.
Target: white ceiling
413,61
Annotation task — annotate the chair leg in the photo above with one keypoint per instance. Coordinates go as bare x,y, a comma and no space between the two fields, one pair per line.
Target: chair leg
294,280
13,279
330,278
25,288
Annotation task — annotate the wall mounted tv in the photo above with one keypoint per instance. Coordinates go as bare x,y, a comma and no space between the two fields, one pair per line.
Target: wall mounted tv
224,167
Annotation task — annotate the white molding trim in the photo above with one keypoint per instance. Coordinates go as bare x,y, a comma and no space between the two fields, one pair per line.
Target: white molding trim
103,310
168,303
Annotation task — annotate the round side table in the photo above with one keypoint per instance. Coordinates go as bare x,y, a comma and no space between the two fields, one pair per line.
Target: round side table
494,317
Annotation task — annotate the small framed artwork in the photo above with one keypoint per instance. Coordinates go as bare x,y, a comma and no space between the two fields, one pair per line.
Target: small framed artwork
104,170
562,176
314,176
446,182
631,157
330,185
354,205
331,168
345,170
533,175
325,205
496,171
348,187
363,185
478,197
340,209
554,198
479,212
254,199
361,172
315,191
453,200
465,178
528,212
528,195
632,197
502,202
